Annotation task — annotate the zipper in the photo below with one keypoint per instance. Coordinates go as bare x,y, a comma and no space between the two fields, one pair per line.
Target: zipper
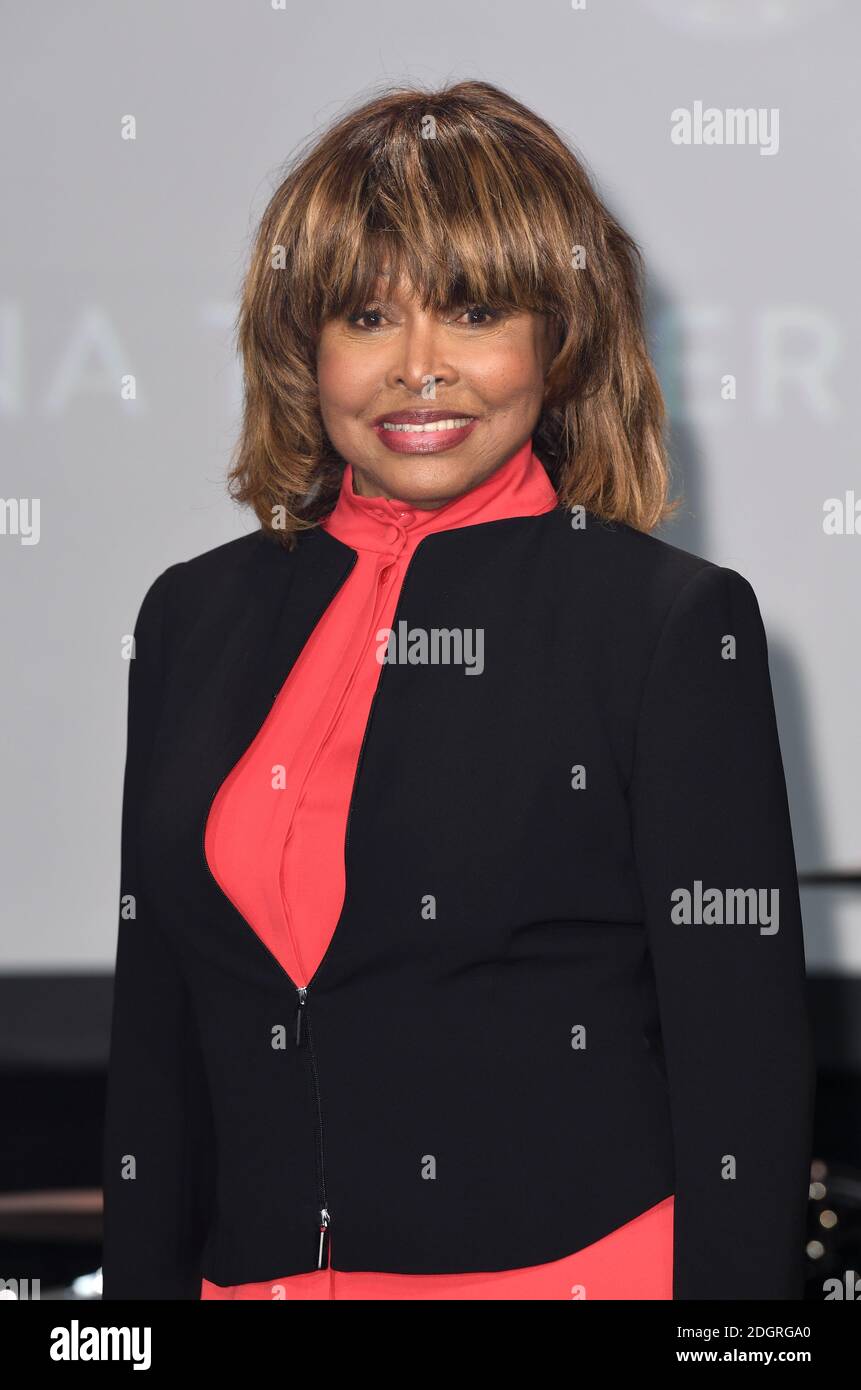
324,1229
303,1025
302,991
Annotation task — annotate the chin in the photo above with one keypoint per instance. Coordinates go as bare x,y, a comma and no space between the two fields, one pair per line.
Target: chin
418,477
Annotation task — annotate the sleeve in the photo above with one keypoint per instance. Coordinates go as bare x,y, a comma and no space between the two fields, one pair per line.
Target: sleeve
716,863
157,1143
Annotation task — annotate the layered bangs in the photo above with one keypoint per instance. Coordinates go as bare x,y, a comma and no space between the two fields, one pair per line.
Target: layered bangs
470,273
456,219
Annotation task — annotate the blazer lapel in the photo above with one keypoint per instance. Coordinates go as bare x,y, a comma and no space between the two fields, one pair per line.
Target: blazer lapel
228,681
288,595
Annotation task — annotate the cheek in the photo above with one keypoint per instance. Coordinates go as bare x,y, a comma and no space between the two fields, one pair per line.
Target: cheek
509,373
331,379
341,381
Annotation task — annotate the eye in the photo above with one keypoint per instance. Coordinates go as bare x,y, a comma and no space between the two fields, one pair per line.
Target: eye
370,312
478,315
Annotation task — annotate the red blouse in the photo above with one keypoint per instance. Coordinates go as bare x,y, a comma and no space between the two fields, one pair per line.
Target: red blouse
275,843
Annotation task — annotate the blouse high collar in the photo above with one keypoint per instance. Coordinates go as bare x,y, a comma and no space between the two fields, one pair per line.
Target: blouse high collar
519,487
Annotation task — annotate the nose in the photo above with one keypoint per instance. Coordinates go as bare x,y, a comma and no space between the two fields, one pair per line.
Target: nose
420,363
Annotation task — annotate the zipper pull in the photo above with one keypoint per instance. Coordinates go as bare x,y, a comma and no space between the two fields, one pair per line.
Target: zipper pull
302,992
324,1228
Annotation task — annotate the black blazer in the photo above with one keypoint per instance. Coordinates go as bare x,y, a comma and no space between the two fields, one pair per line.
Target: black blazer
513,1044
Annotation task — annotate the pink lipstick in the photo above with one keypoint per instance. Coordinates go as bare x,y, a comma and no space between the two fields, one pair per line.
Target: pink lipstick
424,431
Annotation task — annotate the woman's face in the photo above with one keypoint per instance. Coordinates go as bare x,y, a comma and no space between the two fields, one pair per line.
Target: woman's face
389,373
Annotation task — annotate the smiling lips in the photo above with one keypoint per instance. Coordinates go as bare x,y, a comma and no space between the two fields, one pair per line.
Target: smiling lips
423,431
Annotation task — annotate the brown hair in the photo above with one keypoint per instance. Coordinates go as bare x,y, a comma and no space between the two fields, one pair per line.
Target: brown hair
474,200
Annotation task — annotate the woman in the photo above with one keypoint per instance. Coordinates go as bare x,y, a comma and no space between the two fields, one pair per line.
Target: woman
460,953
